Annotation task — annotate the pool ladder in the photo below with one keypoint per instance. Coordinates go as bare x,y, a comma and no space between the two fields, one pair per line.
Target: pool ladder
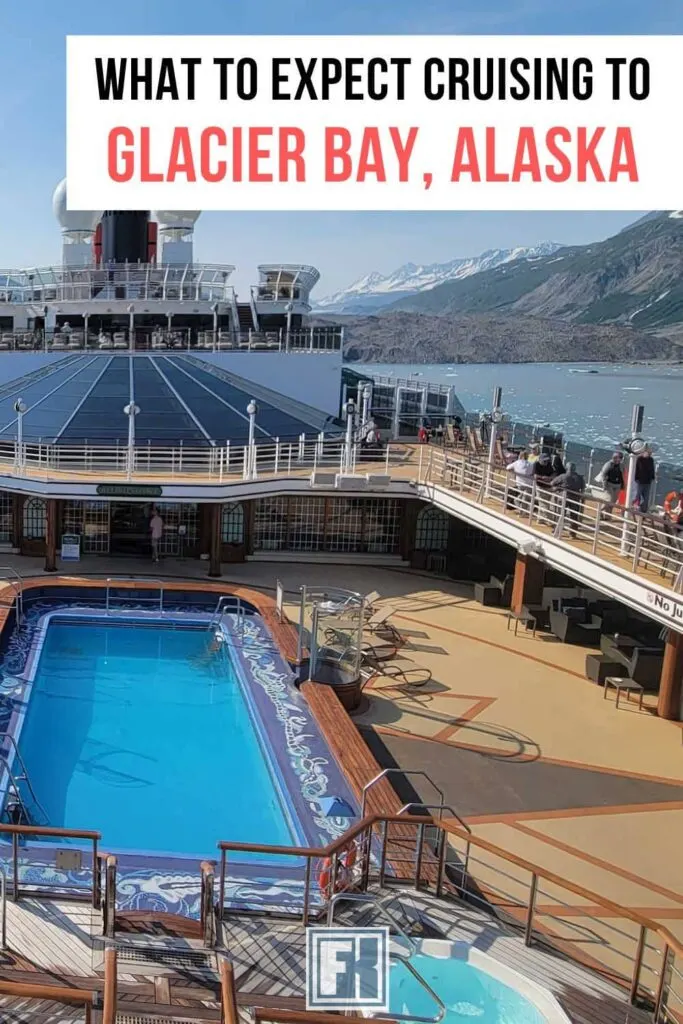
227,603
378,905
15,581
14,784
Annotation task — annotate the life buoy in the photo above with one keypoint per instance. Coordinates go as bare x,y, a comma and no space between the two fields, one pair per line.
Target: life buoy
345,863
325,878
621,497
672,499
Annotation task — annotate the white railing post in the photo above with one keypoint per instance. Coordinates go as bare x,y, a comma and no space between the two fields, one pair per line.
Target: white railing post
220,464
302,447
245,463
386,460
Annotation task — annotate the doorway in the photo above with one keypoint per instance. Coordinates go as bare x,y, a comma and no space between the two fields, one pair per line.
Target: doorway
130,529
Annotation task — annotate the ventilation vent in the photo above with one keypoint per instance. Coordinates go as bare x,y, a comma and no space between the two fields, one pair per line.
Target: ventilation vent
176,959
136,1018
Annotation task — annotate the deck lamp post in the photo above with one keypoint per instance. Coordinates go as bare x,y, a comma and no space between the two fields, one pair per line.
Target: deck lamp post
131,410
214,310
289,309
131,327
46,310
367,397
635,446
349,410
252,410
20,408
495,420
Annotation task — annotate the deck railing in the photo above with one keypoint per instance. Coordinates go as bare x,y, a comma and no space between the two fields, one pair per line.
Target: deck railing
638,541
41,855
182,339
220,463
639,955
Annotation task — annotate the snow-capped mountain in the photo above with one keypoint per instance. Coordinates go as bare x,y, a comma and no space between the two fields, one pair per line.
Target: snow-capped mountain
374,290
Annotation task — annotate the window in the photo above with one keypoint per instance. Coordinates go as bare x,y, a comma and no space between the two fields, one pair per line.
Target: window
232,523
180,527
270,524
382,525
35,516
327,524
431,531
90,520
6,516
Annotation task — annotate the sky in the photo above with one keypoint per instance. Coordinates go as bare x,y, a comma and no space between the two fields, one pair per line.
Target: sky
344,246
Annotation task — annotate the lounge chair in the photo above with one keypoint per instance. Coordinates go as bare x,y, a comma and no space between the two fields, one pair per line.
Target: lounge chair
379,623
405,674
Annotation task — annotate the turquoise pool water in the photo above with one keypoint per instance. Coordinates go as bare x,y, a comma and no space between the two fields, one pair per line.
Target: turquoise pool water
469,994
143,734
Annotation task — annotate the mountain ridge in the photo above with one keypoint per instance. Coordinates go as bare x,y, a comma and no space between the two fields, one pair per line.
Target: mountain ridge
375,291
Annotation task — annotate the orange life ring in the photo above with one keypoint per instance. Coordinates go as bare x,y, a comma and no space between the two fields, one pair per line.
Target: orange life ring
671,499
621,497
349,856
325,878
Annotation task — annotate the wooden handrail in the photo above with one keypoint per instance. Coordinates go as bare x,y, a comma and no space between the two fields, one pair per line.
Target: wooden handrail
229,1011
337,844
455,829
50,993
262,1016
40,830
564,883
110,987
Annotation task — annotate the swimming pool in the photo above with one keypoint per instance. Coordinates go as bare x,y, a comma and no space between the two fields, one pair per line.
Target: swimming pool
472,986
143,731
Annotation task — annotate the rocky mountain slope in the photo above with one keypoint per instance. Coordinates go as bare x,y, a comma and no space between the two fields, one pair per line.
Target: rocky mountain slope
634,278
495,338
374,291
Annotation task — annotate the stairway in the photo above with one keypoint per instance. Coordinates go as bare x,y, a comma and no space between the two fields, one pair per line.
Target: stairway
245,318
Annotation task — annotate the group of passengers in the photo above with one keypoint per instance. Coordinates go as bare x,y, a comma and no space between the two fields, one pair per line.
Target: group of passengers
542,478
613,480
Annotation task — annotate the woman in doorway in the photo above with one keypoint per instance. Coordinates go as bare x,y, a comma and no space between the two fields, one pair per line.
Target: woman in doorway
156,529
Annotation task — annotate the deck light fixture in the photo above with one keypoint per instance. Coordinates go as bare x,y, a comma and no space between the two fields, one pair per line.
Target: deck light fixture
131,410
20,408
252,410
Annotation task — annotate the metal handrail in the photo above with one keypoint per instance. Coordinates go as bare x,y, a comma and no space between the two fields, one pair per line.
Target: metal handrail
127,579
3,919
21,778
394,771
374,901
17,586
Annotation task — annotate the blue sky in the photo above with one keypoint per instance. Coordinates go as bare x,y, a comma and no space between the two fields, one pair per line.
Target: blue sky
343,246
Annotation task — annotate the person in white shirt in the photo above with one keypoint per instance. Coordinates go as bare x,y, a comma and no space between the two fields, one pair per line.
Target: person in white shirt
156,529
524,478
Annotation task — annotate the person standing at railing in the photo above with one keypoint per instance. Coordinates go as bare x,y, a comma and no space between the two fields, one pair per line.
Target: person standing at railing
543,472
611,479
644,478
524,478
574,485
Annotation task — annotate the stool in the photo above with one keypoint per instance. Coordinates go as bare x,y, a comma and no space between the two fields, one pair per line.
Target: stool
599,666
619,684
526,617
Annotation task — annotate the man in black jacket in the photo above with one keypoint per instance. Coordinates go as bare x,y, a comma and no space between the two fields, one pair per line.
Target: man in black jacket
644,477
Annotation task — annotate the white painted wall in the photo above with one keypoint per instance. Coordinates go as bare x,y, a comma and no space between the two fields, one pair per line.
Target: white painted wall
310,377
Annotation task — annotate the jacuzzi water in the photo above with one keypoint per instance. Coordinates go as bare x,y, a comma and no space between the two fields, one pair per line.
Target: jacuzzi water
469,994
144,735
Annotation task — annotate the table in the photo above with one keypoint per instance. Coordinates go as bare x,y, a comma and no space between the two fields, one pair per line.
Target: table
624,683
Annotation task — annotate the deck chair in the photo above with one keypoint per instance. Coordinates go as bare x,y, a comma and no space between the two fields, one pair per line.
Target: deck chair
379,623
409,674
370,600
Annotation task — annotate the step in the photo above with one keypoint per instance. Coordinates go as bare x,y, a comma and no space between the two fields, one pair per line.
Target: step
153,959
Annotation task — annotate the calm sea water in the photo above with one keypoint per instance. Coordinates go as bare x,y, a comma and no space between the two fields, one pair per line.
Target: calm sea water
594,408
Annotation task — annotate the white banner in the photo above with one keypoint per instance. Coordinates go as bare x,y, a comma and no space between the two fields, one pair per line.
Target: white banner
374,122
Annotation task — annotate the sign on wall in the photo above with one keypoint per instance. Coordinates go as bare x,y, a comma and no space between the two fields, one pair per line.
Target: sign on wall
129,491
71,547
